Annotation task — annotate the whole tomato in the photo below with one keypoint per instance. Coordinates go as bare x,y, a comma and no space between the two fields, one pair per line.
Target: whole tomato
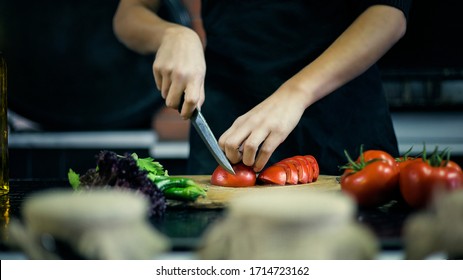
372,179
451,164
420,180
402,162
244,176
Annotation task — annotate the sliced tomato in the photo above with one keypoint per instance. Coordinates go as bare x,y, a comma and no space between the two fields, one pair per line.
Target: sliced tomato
310,171
315,167
292,175
244,176
302,169
274,174
298,170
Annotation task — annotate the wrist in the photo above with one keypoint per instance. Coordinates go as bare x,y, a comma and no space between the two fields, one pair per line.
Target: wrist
304,93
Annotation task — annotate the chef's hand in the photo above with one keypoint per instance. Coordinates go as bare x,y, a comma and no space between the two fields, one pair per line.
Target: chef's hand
179,69
254,136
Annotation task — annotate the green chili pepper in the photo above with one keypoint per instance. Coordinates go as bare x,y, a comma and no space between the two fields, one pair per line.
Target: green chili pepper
190,193
180,188
171,182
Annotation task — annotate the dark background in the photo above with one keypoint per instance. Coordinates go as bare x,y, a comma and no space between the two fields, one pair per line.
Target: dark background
433,39
68,72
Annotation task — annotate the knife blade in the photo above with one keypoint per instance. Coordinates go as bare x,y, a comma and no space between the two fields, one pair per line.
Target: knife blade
199,123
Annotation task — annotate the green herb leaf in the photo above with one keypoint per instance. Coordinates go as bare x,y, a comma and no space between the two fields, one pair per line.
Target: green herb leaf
150,165
74,179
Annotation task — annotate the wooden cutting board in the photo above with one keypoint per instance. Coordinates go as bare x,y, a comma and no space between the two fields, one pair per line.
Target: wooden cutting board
219,197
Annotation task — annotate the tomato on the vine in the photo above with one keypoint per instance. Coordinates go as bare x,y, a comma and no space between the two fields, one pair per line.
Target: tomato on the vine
244,176
451,164
402,162
372,179
422,178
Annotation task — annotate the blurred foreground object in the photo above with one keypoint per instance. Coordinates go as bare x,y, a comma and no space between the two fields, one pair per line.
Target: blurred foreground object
438,229
289,225
95,224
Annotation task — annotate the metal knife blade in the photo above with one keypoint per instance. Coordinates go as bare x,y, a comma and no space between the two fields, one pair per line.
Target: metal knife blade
201,126
204,131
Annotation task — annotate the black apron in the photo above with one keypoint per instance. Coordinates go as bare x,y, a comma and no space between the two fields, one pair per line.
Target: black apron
254,46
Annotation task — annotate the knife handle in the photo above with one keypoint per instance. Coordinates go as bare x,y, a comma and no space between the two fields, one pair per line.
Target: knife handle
180,106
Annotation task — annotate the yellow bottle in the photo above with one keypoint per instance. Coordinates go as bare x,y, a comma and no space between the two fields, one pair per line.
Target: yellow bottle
4,163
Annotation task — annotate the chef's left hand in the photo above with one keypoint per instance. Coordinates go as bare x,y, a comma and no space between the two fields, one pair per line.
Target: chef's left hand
254,136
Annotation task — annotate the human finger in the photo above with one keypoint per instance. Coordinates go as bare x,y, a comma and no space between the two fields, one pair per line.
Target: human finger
265,151
231,141
251,145
174,95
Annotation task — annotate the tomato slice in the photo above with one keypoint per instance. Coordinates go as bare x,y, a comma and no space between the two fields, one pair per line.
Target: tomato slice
308,166
273,175
292,176
315,167
302,171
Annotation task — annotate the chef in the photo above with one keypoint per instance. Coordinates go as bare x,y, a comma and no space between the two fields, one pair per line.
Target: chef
274,78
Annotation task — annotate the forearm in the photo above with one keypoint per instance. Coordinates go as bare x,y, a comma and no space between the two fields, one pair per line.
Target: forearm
137,25
360,46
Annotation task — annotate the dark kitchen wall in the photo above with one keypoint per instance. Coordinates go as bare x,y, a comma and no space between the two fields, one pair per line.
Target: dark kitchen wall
424,70
67,71
433,38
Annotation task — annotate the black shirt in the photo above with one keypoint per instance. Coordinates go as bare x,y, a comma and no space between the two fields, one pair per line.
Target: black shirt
254,46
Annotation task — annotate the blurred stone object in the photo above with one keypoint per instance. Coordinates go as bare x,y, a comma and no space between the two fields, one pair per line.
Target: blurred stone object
289,225
93,224
438,229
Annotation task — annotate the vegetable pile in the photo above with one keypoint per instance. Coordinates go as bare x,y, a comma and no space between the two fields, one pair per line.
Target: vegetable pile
289,171
144,175
376,177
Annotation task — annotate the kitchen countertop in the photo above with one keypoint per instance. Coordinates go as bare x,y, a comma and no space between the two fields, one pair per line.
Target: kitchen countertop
185,226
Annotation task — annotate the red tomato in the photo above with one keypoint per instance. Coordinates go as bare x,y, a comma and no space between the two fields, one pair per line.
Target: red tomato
315,167
302,169
402,162
372,179
292,175
273,175
452,164
308,166
419,180
296,169
244,176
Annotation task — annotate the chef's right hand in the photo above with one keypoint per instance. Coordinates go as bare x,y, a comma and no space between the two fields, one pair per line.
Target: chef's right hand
179,69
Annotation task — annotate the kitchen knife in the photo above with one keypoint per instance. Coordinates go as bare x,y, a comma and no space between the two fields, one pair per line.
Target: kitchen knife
201,126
